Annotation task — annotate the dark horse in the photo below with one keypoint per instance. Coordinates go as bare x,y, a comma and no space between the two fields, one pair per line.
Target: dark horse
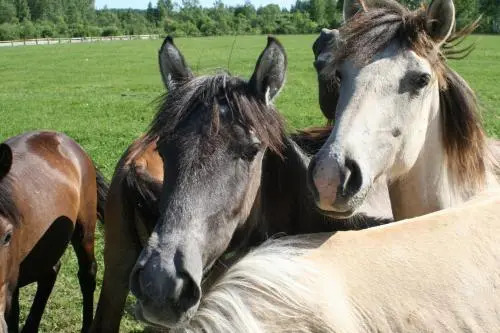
232,179
50,193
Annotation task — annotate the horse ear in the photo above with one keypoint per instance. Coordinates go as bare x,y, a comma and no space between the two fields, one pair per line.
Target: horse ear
173,67
5,160
324,47
324,51
440,20
270,71
351,7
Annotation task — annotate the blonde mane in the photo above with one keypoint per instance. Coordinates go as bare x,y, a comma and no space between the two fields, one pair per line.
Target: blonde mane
281,301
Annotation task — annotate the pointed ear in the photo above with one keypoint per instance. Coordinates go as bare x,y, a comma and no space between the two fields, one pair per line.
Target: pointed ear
270,71
5,160
173,67
324,48
351,7
440,20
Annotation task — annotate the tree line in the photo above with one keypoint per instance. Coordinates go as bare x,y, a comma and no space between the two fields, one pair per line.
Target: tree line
24,19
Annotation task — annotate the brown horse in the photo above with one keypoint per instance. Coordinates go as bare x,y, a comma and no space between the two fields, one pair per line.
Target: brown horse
268,195
50,193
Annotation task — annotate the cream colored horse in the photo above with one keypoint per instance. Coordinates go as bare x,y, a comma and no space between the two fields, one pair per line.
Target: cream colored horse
402,114
435,273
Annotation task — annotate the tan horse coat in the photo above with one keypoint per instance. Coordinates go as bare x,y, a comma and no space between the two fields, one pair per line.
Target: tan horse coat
435,273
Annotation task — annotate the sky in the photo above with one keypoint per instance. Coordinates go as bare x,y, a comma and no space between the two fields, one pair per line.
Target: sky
142,4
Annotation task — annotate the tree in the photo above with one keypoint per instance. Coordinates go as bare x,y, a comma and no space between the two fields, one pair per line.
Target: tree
466,12
331,17
161,11
23,10
7,15
268,17
27,30
151,13
317,11
302,6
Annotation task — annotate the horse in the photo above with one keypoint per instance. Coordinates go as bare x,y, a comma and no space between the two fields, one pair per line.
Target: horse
434,273
51,193
401,113
214,175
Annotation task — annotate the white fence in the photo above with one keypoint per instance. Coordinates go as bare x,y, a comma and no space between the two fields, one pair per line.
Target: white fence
52,41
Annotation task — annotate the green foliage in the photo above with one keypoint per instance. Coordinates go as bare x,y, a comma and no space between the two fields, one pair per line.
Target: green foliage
7,12
23,10
111,30
9,31
317,11
27,30
467,11
45,29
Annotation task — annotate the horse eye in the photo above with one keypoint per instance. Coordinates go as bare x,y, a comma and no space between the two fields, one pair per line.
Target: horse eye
422,80
251,151
7,238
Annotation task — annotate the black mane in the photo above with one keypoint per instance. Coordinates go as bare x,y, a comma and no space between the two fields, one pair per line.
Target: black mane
247,109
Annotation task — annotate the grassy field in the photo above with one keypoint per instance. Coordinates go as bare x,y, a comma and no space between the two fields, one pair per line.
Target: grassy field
101,94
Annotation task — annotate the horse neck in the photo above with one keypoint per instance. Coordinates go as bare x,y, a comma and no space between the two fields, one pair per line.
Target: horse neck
428,186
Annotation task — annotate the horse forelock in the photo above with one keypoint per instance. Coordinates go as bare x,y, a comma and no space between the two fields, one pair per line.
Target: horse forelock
246,108
369,32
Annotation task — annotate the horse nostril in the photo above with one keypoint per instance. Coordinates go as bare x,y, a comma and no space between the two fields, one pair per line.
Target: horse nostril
352,178
190,292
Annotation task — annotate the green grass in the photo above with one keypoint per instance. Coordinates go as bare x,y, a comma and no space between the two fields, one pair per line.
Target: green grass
101,95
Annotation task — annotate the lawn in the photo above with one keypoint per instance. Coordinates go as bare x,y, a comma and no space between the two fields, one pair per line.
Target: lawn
103,94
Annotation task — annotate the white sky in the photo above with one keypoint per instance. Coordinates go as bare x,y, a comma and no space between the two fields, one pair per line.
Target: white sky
142,4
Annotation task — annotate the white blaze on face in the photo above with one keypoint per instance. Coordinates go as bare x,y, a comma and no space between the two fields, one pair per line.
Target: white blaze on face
381,123
381,116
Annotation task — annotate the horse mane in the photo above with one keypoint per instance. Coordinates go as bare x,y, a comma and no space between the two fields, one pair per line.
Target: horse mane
176,106
141,192
267,290
8,207
368,32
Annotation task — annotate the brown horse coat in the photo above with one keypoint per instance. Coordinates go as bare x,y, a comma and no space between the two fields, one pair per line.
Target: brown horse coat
57,194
